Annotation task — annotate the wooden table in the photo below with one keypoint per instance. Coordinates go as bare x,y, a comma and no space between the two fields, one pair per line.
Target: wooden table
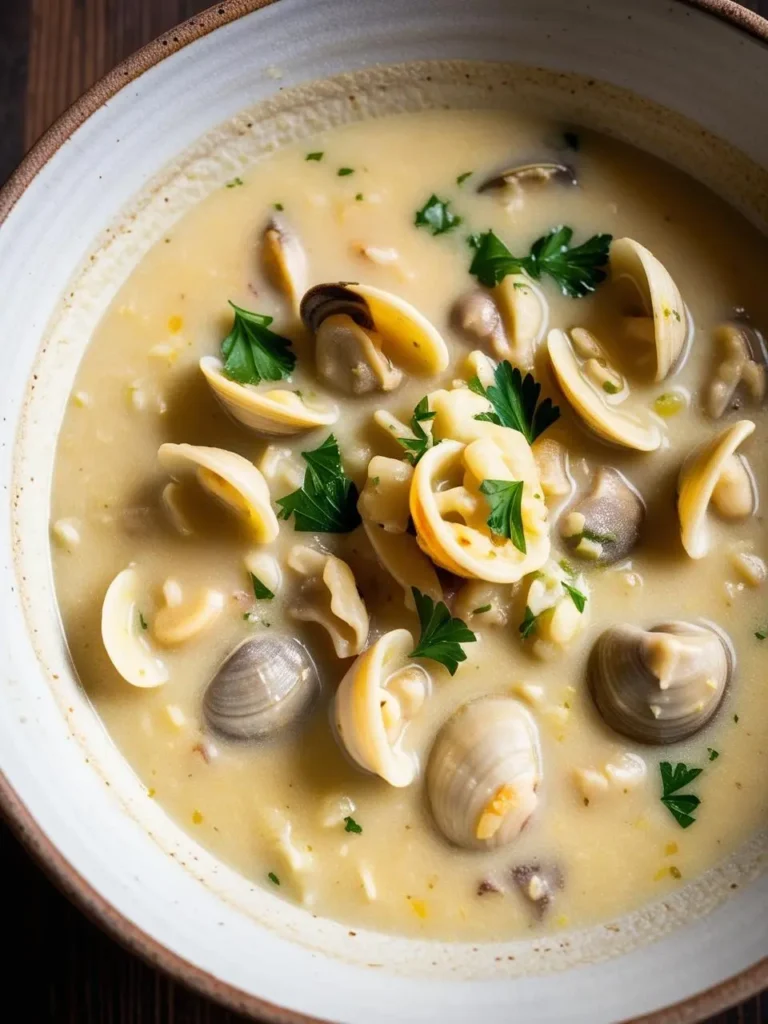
50,52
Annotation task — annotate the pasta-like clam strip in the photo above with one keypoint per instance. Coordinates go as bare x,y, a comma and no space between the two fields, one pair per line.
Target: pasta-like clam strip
451,514
230,478
123,632
329,596
377,698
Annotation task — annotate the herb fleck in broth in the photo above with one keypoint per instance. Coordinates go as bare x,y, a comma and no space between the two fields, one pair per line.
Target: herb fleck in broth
391,204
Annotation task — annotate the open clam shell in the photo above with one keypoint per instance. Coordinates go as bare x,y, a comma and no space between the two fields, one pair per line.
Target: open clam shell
271,412
700,476
123,632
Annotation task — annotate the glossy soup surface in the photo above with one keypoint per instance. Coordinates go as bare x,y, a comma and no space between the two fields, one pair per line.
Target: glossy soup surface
294,810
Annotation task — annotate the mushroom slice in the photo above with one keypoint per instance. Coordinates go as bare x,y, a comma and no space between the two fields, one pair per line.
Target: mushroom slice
743,365
653,305
661,685
284,259
266,684
230,478
122,631
714,474
329,596
181,620
604,525
542,172
402,336
376,700
483,773
451,514
384,498
511,320
273,413
596,405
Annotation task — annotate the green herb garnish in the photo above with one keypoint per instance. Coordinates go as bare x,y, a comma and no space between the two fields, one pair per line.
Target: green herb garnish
610,388
680,805
359,197
143,621
528,624
598,538
314,156
577,271
761,633
579,599
260,592
713,754
344,172
515,402
441,635
463,177
505,498
273,878
252,353
474,241
327,500
483,607
436,216
350,825
234,183
416,446
278,206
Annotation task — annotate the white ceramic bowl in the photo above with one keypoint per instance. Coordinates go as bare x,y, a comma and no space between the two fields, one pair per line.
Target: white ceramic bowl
98,189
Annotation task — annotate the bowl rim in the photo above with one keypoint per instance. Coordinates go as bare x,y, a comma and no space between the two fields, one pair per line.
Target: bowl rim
13,810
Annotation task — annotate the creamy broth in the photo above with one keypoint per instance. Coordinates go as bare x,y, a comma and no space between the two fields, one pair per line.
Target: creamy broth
275,809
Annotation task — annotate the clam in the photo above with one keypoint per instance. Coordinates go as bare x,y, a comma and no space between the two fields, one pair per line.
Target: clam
510,320
228,477
284,259
182,618
123,632
714,474
376,700
329,596
596,392
604,525
559,603
661,685
366,338
742,366
271,412
267,683
655,311
484,772
543,172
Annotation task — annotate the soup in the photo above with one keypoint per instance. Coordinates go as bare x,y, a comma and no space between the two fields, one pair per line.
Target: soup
406,525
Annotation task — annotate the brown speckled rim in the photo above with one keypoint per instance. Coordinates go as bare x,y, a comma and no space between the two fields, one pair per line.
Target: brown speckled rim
25,827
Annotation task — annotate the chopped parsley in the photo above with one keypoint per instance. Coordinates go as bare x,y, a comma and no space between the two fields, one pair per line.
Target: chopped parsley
436,216
515,401
761,633
528,624
327,500
273,878
463,177
260,592
505,498
359,197
485,607
598,538
142,621
314,156
350,825
252,353
416,446
577,271
579,599
344,172
610,388
278,206
441,635
235,182
713,754
474,241
680,805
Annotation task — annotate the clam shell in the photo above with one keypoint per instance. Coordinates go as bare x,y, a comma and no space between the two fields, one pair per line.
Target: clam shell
484,772
540,172
661,685
265,685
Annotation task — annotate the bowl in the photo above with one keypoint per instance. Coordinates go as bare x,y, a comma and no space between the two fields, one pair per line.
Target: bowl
685,80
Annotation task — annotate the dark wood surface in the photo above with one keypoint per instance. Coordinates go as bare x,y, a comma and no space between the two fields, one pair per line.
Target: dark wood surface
50,52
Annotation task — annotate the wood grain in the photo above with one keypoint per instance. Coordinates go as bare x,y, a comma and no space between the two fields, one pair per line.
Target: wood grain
50,52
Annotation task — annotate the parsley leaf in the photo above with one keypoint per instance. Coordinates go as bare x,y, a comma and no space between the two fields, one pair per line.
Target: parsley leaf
680,805
505,498
273,878
463,177
515,401
327,500
761,633
350,825
528,624
436,216
344,172
143,622
234,183
416,446
252,353
314,156
577,271
260,592
441,636
713,754
483,608
579,599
